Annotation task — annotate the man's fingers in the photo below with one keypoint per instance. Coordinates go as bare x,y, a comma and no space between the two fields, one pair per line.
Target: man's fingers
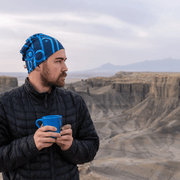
48,128
65,138
47,134
67,126
44,139
47,144
51,134
66,132
44,136
49,140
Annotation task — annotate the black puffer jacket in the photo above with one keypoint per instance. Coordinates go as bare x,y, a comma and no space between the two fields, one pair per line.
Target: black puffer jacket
19,157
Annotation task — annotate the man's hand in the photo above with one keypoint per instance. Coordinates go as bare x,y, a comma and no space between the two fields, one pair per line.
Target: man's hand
65,138
44,139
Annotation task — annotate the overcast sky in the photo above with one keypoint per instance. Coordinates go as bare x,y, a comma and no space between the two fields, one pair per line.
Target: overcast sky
93,32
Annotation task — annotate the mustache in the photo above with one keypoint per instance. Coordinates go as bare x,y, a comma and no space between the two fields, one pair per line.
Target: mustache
64,74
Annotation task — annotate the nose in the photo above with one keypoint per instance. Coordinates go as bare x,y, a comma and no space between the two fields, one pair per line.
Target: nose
65,67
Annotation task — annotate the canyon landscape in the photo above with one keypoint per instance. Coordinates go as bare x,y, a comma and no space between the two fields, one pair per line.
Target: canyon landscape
137,117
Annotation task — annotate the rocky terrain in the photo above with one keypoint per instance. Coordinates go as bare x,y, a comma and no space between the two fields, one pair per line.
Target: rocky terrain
7,83
137,117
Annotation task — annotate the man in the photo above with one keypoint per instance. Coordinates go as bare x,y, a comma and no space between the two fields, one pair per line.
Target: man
30,153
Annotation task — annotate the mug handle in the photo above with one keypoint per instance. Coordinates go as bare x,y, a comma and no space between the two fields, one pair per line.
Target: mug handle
37,121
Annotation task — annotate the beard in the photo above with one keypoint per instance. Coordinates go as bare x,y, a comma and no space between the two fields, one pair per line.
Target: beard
49,81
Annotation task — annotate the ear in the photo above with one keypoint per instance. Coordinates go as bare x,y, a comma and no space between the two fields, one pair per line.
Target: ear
39,67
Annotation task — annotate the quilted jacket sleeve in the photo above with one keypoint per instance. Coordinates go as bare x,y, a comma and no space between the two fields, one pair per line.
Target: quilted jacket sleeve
86,144
14,154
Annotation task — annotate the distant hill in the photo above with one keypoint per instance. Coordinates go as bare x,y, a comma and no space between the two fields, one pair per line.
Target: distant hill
166,65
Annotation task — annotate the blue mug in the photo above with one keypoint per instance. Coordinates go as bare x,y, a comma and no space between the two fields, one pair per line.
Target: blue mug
51,120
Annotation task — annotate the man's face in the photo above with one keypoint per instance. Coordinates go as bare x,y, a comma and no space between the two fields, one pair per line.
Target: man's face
54,69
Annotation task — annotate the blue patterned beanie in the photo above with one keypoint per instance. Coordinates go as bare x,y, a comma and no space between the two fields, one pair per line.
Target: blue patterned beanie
37,49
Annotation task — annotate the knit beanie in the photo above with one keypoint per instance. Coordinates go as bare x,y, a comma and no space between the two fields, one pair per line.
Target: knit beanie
37,49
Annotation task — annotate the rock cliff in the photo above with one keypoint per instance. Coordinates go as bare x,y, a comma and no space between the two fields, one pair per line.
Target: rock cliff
137,117
7,83
116,93
165,86
99,81
129,88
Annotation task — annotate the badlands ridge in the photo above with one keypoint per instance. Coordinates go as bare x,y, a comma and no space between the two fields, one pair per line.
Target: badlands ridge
137,117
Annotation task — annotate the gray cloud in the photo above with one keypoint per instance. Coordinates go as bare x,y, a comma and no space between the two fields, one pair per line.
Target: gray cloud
93,32
135,12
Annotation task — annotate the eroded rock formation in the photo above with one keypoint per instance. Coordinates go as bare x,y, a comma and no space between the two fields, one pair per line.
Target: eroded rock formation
99,81
137,117
7,83
129,88
71,87
165,86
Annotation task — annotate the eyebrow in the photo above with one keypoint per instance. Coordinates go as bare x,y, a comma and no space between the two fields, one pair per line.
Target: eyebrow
60,58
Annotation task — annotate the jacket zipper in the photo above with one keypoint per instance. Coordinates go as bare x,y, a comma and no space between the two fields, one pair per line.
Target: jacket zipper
51,153
46,101
52,164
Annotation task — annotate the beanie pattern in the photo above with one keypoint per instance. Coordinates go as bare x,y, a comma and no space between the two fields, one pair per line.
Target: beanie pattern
37,49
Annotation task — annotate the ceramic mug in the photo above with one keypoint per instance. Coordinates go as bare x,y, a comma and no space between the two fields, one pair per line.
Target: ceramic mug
51,120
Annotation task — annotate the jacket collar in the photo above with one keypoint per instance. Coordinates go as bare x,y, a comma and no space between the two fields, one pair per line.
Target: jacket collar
36,95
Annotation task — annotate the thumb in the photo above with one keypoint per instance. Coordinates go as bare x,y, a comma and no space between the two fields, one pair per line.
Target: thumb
67,126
